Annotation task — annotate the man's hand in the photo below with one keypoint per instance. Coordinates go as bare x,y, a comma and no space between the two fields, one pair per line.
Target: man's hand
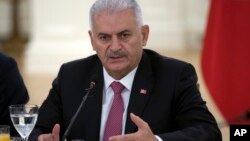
54,136
144,132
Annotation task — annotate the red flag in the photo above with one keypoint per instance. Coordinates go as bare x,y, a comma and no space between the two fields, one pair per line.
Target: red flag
226,56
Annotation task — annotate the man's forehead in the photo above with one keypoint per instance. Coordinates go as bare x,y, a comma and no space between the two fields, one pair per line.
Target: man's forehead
112,28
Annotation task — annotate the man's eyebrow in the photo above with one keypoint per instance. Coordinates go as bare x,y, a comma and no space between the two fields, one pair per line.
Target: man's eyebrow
126,30
106,34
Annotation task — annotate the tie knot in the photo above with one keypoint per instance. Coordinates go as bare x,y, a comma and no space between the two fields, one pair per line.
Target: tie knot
117,87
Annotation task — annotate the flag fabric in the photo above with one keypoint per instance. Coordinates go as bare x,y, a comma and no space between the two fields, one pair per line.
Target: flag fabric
225,61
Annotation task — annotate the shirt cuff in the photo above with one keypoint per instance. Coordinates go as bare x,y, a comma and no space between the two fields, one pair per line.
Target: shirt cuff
158,138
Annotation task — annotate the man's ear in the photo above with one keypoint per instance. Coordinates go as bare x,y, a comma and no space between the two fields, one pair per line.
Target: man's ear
91,39
145,33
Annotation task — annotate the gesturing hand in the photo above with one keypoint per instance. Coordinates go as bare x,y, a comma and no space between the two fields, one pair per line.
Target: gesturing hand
144,132
54,136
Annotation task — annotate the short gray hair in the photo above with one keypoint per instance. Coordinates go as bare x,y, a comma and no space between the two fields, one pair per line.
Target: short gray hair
114,6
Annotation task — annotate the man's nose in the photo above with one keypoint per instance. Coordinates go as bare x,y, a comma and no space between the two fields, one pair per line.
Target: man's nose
115,44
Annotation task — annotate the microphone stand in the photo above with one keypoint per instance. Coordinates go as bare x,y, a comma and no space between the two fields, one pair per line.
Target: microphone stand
92,85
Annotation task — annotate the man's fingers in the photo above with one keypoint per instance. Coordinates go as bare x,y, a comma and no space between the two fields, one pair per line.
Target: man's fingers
144,132
55,132
54,136
127,137
138,121
133,136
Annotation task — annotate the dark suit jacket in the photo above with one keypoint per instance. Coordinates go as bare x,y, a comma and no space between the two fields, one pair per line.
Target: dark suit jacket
12,89
172,106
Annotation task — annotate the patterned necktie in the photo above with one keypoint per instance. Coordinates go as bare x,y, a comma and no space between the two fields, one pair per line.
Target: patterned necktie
114,121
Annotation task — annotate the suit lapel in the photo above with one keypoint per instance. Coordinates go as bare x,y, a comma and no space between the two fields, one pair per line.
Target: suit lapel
140,94
141,91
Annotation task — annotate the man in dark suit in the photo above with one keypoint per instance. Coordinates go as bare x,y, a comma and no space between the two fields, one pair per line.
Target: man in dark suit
12,89
160,98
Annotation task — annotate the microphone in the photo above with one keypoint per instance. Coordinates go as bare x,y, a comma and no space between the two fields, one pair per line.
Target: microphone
89,90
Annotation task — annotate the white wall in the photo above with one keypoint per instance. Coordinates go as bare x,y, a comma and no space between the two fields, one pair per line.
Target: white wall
58,33
59,28
175,24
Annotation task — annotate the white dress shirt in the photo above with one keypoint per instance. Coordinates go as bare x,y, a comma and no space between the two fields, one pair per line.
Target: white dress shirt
108,96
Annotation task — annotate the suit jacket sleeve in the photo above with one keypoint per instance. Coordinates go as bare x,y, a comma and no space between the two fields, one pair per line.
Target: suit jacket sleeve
64,98
192,119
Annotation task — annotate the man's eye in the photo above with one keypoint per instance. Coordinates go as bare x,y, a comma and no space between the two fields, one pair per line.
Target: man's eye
103,37
124,36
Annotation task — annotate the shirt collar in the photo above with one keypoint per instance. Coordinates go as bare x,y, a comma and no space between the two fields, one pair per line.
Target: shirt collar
126,81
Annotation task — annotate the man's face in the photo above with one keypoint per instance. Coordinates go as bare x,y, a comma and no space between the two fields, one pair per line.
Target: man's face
118,41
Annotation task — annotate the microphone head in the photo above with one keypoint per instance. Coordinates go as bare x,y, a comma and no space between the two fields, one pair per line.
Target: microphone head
92,84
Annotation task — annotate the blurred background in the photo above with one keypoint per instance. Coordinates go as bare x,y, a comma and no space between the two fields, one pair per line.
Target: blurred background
43,34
